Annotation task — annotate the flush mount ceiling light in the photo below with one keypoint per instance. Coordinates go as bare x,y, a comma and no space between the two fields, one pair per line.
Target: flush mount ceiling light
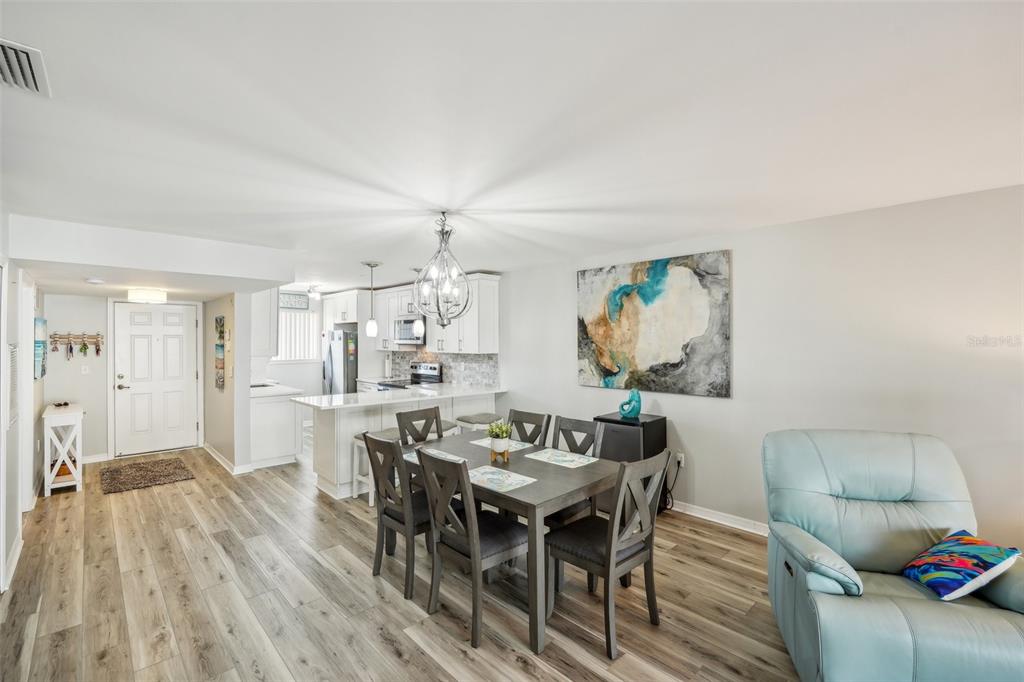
371,324
147,296
94,280
441,290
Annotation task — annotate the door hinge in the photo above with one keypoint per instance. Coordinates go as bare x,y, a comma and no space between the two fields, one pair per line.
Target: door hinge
197,426
197,374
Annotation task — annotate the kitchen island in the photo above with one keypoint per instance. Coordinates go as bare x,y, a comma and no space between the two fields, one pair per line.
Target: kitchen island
339,418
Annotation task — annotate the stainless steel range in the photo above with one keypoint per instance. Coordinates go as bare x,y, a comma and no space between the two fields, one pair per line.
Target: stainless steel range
420,373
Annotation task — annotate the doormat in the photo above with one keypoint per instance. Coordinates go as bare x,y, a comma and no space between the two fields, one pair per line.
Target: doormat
143,474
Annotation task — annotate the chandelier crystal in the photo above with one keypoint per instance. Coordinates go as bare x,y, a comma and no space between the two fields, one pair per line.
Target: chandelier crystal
441,291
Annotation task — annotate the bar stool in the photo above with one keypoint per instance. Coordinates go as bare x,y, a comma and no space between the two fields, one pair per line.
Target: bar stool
477,422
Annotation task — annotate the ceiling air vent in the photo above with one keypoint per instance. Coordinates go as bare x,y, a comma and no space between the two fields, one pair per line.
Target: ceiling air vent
22,67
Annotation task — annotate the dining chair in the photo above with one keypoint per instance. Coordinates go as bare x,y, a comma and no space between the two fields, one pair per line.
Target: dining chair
529,427
414,426
474,539
399,509
581,437
612,547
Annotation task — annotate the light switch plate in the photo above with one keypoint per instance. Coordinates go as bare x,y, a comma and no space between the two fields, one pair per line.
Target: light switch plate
85,369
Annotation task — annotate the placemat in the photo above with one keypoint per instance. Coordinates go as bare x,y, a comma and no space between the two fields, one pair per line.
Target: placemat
513,445
411,456
561,458
498,480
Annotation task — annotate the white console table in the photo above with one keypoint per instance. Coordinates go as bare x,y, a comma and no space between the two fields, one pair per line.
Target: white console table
62,444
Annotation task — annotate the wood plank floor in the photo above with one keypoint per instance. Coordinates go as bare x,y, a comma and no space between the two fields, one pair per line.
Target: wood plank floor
262,577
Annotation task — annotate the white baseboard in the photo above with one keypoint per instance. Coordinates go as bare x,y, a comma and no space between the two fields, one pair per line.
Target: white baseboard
12,561
238,469
222,460
273,462
731,520
99,457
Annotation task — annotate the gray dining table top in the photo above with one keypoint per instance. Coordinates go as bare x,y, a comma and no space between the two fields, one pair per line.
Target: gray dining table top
555,486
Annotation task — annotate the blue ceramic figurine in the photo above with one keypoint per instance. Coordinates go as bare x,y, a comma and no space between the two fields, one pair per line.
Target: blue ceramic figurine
630,407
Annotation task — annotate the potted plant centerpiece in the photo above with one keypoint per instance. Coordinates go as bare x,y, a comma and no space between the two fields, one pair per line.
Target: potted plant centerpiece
499,433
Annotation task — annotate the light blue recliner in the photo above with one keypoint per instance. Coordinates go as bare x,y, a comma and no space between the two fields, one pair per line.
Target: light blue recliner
847,510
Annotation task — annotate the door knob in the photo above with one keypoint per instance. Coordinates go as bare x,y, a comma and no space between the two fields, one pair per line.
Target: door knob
121,387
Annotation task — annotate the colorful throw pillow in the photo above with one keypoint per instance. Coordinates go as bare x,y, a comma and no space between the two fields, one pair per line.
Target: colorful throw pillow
959,564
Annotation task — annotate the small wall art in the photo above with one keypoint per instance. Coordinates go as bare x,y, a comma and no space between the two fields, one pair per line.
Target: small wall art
218,352
39,348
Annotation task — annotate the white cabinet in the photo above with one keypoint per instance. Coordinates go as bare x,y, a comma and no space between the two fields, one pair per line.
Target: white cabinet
405,305
339,308
477,330
264,323
275,431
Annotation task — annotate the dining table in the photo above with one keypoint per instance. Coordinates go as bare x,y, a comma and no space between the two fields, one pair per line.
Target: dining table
554,487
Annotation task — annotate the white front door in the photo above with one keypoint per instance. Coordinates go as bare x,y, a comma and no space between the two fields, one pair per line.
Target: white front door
155,378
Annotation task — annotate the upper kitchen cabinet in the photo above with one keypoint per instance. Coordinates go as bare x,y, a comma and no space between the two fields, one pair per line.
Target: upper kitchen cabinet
339,308
264,323
386,311
477,330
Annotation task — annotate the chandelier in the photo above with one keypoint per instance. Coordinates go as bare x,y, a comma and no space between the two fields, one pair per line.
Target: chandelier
441,290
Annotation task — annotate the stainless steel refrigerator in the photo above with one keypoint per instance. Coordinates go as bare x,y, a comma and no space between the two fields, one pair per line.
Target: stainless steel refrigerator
341,360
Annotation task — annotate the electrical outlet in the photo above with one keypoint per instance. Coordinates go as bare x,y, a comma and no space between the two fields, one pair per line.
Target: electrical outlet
680,457
85,369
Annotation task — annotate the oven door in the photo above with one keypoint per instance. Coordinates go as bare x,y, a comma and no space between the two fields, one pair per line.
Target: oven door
405,334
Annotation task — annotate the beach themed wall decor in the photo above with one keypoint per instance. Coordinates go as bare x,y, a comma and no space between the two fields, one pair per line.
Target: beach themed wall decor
659,325
39,348
218,352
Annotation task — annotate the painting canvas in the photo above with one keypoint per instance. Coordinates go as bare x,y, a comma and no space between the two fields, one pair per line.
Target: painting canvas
39,348
218,352
659,325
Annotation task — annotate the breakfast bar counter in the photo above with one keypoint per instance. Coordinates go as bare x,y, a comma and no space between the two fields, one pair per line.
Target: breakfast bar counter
339,418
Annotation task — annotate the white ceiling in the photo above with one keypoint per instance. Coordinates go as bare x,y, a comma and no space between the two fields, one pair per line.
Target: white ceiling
70,278
550,129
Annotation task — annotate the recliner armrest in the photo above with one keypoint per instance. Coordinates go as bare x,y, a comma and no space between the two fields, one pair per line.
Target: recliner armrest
1007,591
815,556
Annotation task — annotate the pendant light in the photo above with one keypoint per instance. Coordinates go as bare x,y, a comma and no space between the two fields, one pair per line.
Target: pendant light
418,328
441,290
371,324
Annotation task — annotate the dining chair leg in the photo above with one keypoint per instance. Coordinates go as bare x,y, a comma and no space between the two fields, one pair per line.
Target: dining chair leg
390,540
378,555
478,593
652,599
591,583
429,540
435,583
410,564
610,646
626,580
559,571
549,592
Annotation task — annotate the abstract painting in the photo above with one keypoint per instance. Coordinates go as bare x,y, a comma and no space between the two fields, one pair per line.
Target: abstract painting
659,325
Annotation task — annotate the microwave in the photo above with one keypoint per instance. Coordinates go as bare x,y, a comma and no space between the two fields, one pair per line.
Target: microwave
405,334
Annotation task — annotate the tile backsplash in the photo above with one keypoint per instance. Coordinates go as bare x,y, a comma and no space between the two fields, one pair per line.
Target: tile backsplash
456,368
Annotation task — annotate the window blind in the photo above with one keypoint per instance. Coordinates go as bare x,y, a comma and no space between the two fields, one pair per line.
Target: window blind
298,335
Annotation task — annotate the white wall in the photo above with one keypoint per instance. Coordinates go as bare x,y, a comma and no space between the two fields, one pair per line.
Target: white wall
854,321
219,404
82,379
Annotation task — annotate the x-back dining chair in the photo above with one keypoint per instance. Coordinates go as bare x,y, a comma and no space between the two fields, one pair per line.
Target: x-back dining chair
581,437
399,509
472,538
529,427
415,426
612,547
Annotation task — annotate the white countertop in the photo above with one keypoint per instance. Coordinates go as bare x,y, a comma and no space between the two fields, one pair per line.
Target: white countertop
396,395
275,391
